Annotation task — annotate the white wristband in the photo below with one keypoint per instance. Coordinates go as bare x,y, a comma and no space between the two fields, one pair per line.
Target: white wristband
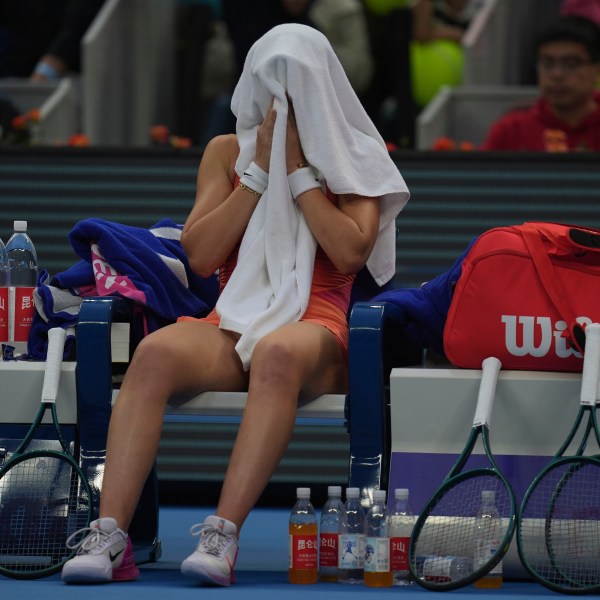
255,178
302,180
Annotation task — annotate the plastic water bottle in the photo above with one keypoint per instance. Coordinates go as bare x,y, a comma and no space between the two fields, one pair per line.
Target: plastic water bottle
22,257
351,544
303,540
488,528
4,283
443,569
378,571
23,269
329,531
402,522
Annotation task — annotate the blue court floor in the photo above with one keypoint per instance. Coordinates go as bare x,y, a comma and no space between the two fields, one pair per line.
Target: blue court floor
261,571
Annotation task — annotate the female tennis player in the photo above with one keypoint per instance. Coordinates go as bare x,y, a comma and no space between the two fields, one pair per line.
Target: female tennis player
288,210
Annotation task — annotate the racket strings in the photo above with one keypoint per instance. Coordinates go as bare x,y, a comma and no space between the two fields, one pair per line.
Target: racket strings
559,528
41,504
449,529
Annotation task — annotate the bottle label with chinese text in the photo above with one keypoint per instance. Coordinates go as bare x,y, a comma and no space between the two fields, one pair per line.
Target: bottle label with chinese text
399,553
21,309
328,550
303,551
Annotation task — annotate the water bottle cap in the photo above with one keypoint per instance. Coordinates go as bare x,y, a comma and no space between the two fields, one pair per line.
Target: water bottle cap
334,490
379,495
401,493
20,226
488,495
303,492
352,492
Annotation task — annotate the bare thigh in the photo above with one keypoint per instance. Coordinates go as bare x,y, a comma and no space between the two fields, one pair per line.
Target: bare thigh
187,358
305,356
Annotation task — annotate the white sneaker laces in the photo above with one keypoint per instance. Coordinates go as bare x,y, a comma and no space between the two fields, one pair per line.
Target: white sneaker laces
89,539
212,541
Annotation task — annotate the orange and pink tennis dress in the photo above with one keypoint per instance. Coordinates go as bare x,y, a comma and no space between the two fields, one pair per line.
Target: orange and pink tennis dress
329,296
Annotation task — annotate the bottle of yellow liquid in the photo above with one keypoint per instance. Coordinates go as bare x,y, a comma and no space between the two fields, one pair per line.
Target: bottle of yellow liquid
488,531
378,569
303,540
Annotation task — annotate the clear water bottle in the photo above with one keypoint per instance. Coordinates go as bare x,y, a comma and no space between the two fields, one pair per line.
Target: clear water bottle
378,571
22,257
329,531
23,274
303,540
402,522
488,533
351,544
4,283
444,569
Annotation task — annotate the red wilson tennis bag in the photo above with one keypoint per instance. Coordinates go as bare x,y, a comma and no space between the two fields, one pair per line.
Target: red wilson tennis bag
525,295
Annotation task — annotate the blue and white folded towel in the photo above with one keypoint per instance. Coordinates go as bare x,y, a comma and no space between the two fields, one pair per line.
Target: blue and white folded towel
147,266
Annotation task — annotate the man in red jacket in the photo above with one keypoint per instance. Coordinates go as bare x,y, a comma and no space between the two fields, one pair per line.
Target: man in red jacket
567,115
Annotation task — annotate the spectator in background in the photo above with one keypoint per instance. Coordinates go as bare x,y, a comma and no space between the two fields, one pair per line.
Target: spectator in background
417,49
590,9
343,22
566,117
436,51
41,39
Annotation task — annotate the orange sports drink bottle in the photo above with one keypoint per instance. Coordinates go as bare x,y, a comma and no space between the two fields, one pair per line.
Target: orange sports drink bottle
303,540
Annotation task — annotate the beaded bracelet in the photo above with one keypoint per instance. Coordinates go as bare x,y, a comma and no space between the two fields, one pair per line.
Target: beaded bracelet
243,186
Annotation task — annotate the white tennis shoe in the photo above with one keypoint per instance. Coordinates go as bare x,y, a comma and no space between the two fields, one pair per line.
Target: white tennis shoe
216,553
104,554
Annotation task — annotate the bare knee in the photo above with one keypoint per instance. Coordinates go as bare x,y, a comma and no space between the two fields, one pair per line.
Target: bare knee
152,366
275,363
150,353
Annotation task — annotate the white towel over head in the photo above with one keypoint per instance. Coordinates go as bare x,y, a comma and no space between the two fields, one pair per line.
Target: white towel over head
270,285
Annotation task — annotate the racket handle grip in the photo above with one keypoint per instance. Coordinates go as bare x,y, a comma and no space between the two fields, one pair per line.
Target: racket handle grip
591,365
54,358
490,369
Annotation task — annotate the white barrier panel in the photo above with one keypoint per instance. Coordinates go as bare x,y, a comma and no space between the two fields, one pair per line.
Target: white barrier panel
432,414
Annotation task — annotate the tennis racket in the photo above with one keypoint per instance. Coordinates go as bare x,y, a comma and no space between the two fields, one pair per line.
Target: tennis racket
442,549
559,519
44,495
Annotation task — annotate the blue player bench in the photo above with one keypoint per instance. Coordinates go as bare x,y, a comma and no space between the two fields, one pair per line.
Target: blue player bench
373,349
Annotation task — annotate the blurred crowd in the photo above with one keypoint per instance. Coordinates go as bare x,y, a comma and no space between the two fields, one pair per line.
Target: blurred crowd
396,53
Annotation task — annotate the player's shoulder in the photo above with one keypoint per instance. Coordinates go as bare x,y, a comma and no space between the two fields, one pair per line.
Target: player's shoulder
222,151
223,145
